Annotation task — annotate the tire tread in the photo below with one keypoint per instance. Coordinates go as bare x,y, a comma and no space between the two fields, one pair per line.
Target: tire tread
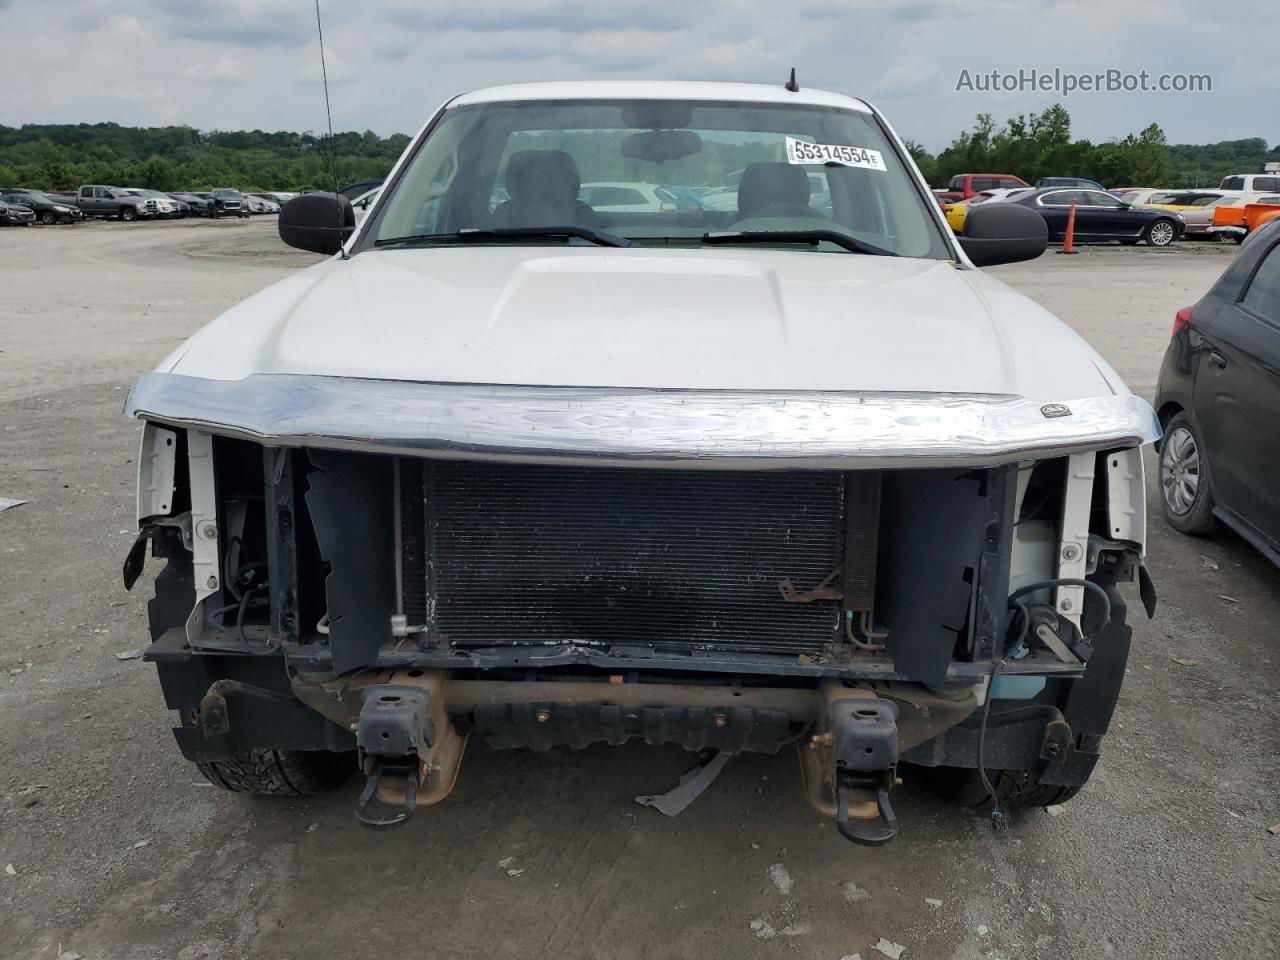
278,773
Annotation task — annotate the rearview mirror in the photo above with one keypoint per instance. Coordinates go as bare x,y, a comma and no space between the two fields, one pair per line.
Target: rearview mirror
1003,233
318,222
658,146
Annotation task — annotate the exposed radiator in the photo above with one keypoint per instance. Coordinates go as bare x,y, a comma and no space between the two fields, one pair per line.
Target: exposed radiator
501,554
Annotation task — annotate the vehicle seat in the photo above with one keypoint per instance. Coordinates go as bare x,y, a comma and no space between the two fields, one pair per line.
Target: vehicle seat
544,186
775,190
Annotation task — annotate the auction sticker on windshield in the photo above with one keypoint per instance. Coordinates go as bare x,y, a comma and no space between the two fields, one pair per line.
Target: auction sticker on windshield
801,151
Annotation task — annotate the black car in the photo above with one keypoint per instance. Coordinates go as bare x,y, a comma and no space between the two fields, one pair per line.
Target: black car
353,190
228,203
197,206
15,214
1219,401
1084,182
45,208
1101,216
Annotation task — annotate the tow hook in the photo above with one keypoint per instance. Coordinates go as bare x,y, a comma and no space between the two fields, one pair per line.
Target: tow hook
395,735
865,749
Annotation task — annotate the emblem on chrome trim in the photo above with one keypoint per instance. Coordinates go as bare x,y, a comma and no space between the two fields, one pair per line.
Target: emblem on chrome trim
1052,411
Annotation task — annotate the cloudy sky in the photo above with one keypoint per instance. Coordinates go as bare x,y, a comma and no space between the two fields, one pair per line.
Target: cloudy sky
231,64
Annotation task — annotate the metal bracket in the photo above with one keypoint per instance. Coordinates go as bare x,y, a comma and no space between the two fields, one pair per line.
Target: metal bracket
395,733
1073,548
157,458
865,749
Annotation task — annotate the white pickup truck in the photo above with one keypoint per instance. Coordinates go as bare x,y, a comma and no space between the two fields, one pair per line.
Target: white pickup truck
794,474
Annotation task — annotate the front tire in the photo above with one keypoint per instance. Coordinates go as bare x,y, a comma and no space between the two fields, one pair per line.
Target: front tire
128,214
280,773
47,218
1186,479
1160,233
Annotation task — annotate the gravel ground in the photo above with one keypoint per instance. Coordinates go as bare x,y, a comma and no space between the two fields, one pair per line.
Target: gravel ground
119,851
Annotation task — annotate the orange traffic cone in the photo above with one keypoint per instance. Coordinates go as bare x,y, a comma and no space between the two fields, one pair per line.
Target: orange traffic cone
1071,230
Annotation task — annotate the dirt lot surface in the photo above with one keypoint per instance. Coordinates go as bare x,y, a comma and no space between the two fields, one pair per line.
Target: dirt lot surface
117,850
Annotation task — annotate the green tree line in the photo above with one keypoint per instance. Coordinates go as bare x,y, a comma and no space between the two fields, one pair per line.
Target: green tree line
63,156
1039,145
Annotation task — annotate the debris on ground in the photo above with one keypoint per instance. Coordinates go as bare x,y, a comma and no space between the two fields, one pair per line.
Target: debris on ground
688,788
890,949
1275,829
1183,661
313,827
68,955
933,902
142,843
505,866
852,956
781,878
10,870
1223,596
983,930
1209,563
1055,809
854,893
128,654
6,503
766,931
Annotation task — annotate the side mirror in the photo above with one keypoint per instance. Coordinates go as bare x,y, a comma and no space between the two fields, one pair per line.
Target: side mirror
1003,233
318,222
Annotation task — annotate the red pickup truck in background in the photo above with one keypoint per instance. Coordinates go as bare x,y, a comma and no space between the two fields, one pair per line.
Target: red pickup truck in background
966,185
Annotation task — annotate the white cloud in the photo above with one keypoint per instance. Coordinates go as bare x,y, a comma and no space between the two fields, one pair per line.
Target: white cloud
223,67
254,63
913,77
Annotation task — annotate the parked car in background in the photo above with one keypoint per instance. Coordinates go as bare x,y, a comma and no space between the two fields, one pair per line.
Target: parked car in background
1197,217
1218,398
271,200
1251,182
945,197
47,209
623,197
99,200
1181,200
254,204
1235,221
969,184
16,214
165,206
1140,197
957,212
687,198
362,204
1069,182
228,203
358,188
200,206
1101,217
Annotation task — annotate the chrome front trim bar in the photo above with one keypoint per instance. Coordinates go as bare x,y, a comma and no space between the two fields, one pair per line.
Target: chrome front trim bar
725,429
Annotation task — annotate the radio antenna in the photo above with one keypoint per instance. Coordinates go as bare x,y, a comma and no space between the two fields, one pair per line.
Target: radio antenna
333,150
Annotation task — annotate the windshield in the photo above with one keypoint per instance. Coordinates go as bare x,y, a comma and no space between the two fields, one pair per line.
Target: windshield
659,172
227,194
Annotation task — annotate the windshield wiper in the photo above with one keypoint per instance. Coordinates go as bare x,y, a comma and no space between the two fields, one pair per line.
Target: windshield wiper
599,237
814,237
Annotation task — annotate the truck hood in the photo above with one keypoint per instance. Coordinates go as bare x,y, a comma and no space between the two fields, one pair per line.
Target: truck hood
697,319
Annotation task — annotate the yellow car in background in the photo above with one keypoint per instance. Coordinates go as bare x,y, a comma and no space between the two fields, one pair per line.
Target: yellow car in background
1179,200
956,212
